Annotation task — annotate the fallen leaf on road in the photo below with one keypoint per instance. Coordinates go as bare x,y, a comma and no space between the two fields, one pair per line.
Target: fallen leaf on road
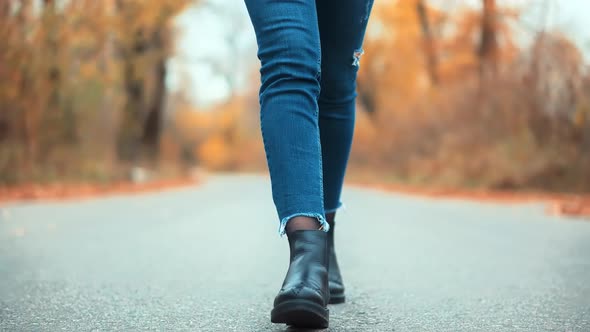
578,207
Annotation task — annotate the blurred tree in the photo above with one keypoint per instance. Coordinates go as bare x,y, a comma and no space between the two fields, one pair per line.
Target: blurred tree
70,70
392,59
429,44
82,89
406,54
145,41
488,45
474,44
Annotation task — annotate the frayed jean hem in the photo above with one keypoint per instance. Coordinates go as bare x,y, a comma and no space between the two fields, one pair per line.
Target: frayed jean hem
324,224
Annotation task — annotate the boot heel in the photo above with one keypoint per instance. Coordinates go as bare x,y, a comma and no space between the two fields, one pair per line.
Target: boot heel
337,298
335,283
301,313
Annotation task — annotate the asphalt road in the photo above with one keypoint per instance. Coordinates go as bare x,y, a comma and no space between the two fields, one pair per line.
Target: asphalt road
209,258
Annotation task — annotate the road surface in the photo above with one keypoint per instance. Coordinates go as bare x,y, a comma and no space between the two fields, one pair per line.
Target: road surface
209,258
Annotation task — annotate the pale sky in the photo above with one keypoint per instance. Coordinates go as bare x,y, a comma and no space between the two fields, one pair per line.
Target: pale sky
204,35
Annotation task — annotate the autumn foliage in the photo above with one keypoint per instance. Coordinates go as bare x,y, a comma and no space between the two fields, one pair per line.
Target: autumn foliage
445,98
82,85
474,108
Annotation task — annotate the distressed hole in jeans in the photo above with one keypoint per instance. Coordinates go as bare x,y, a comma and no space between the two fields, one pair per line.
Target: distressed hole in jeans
356,56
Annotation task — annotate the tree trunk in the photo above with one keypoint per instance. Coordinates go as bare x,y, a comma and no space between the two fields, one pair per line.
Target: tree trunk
152,129
130,127
26,122
145,81
488,48
133,46
428,41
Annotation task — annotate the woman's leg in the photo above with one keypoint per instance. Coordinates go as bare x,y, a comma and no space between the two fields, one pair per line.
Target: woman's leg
342,25
289,51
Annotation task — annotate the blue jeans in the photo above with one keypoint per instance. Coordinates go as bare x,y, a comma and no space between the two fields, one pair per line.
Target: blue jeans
309,52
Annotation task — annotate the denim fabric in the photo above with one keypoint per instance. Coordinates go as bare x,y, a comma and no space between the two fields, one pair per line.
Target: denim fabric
309,52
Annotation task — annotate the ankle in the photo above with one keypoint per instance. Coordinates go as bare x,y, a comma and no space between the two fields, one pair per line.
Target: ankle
300,223
330,218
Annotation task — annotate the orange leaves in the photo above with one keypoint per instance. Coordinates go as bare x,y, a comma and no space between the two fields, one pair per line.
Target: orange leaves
408,41
531,111
62,68
215,152
140,19
223,137
393,57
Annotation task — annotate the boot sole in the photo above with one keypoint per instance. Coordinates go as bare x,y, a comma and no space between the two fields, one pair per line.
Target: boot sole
337,298
301,313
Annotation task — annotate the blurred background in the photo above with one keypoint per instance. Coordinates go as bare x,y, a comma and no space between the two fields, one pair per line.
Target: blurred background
488,94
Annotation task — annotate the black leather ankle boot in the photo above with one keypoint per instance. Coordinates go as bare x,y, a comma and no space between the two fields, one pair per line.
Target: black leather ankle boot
335,283
303,298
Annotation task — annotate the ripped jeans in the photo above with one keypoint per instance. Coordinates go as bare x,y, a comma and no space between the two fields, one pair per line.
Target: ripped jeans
309,52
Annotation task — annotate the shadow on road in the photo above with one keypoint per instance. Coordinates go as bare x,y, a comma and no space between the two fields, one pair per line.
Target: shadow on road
294,329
